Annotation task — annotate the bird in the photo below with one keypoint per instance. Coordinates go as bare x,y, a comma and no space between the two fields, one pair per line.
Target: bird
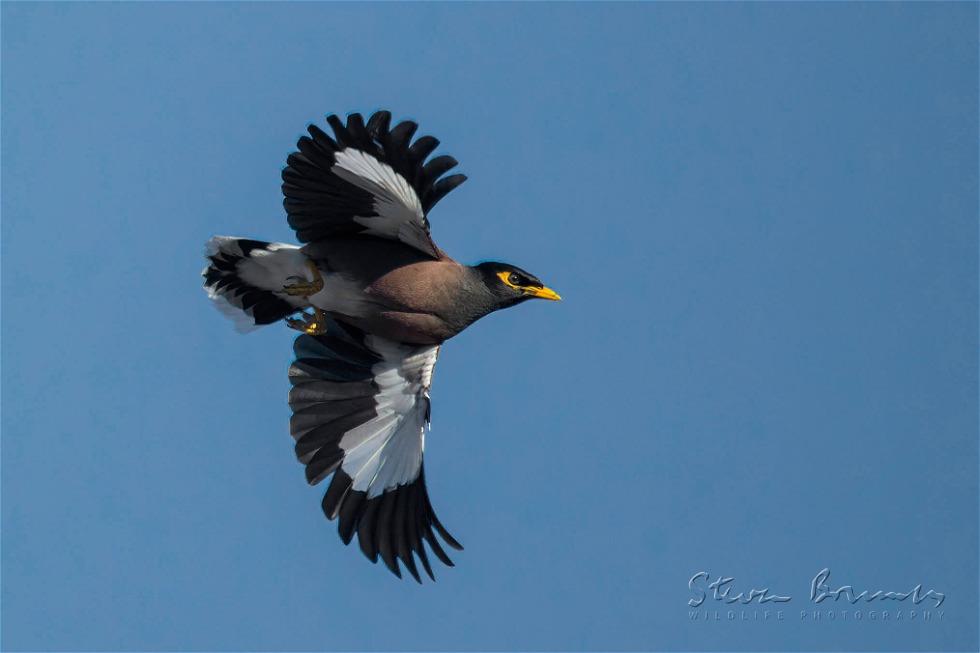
374,298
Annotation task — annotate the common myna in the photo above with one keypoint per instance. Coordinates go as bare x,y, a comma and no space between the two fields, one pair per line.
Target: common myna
381,299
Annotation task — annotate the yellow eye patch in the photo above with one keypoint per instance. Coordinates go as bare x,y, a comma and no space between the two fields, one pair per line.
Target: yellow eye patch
505,277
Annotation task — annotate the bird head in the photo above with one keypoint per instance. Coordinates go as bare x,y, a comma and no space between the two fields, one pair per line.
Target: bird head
511,285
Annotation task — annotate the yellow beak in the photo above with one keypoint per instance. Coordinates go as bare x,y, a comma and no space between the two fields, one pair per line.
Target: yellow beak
543,293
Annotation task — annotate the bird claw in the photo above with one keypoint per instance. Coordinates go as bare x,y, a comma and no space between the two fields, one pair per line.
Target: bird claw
302,287
312,324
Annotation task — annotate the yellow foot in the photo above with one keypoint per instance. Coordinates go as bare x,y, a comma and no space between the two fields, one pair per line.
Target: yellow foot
304,288
314,324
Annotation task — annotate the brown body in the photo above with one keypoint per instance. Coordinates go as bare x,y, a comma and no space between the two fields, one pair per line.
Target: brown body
401,294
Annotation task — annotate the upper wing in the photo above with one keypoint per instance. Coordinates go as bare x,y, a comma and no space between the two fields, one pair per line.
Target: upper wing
367,180
360,409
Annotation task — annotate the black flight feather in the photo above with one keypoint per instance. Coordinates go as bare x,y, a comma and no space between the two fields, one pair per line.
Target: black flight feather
320,204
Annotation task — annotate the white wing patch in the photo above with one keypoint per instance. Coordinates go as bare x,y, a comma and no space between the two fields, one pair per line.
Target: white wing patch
386,451
399,210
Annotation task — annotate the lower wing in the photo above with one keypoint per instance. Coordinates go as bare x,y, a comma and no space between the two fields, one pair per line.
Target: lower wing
360,411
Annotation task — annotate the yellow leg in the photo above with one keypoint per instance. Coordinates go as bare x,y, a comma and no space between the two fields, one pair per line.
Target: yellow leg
314,324
306,288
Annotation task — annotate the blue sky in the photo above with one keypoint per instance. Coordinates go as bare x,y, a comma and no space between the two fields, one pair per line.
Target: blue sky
762,218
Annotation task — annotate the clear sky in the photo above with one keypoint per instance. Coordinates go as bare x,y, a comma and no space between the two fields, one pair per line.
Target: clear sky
762,217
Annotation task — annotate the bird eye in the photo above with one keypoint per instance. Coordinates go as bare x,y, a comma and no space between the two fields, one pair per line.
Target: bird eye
514,279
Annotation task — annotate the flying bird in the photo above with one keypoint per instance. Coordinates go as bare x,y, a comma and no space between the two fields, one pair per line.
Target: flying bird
374,299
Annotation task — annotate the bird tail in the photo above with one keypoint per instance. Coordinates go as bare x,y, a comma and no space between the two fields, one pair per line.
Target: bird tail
245,279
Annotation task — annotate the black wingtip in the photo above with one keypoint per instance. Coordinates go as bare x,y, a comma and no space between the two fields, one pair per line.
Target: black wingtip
377,124
366,529
320,137
392,566
402,133
339,486
355,118
438,166
423,147
385,533
350,511
437,548
412,569
449,539
339,130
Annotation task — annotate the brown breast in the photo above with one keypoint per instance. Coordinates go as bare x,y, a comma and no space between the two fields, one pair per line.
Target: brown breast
412,291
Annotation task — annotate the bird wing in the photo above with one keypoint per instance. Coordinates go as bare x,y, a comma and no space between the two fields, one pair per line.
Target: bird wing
368,180
360,410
